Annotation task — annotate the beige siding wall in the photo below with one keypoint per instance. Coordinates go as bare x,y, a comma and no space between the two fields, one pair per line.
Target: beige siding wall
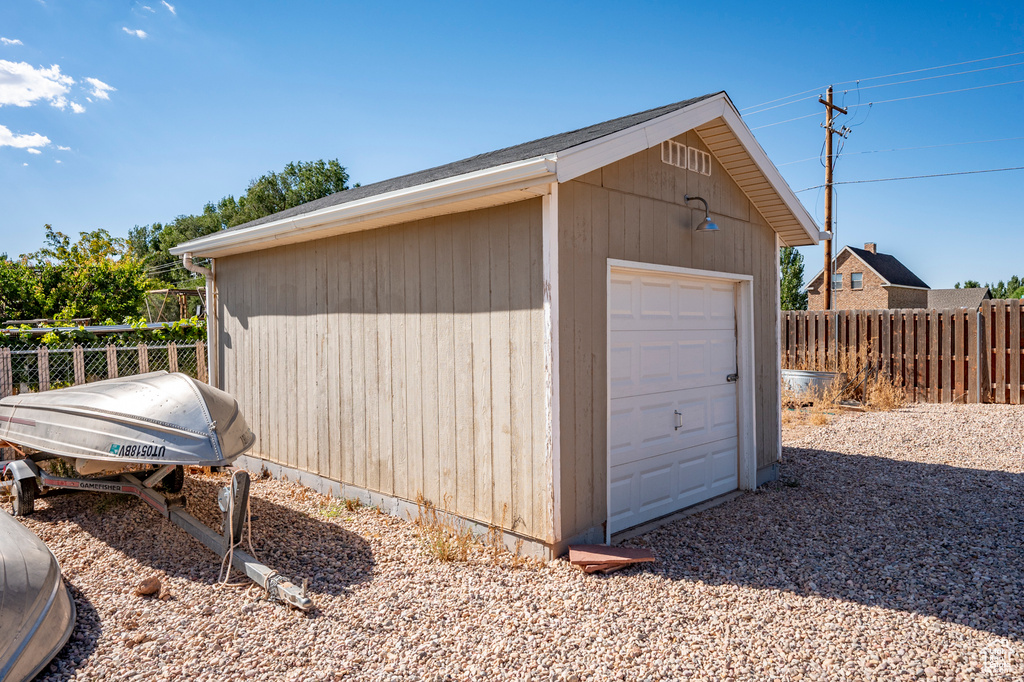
634,210
404,360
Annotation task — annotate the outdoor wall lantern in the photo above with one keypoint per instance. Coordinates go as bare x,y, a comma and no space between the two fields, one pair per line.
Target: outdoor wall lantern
705,225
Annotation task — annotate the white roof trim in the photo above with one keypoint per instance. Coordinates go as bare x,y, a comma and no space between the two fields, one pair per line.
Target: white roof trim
512,176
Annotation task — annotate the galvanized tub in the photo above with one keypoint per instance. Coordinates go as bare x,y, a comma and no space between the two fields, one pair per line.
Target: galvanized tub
803,381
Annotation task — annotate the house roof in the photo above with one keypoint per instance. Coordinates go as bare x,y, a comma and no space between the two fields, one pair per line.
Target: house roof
520,152
943,299
889,268
530,170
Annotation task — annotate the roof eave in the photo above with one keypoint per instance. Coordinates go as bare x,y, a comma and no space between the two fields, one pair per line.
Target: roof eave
511,177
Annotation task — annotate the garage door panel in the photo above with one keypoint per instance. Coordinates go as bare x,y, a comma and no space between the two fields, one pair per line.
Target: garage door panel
666,302
670,482
664,360
673,414
645,426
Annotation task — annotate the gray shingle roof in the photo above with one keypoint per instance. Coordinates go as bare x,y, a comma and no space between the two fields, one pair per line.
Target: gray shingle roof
889,268
519,152
943,299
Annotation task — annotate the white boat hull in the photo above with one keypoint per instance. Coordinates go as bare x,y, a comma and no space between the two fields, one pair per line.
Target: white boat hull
149,419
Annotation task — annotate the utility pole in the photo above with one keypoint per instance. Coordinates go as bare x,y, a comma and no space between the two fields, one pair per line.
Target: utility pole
829,108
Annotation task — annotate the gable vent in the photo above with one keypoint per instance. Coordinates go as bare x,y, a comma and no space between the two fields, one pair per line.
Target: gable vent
687,158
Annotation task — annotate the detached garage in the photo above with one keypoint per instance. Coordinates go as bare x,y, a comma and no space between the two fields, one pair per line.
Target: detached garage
576,334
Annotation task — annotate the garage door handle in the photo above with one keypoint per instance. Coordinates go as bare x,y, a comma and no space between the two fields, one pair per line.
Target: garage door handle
732,378
679,420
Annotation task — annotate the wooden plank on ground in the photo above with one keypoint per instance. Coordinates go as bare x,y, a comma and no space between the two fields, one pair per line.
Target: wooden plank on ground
582,555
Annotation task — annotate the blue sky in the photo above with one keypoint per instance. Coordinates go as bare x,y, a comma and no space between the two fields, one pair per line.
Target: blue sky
151,109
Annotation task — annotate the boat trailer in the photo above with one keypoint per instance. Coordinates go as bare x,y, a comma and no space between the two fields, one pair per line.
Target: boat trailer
27,478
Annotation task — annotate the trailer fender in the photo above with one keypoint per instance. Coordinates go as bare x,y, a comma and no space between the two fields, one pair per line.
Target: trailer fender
21,469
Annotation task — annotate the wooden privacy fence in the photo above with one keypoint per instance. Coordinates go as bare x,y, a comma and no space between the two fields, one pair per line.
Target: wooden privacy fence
937,355
40,369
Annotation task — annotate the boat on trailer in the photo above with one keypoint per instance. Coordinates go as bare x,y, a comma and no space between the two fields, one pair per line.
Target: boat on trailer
129,435
37,613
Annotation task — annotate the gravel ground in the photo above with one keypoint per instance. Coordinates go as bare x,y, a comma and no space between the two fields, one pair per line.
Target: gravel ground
891,548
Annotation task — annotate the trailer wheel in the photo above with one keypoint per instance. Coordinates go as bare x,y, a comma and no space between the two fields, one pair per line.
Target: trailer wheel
174,481
24,496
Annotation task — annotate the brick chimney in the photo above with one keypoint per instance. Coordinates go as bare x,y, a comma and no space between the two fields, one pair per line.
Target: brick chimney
872,247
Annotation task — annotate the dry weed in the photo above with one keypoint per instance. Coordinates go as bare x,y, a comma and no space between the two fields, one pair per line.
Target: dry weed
442,536
883,393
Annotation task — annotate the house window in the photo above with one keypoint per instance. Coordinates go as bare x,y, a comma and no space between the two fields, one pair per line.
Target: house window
837,281
856,280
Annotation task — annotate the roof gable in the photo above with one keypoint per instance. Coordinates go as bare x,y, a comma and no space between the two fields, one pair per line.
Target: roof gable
891,271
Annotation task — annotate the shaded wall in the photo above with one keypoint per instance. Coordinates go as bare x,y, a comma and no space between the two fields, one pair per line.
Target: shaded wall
405,360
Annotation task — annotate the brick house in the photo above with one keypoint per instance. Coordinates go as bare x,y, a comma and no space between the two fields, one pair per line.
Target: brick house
863,279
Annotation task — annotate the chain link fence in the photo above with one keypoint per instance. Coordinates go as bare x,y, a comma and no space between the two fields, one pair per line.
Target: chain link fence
25,368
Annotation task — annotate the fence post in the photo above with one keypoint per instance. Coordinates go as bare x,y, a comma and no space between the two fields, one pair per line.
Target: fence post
43,354
111,361
1016,377
143,358
78,361
201,362
6,373
172,357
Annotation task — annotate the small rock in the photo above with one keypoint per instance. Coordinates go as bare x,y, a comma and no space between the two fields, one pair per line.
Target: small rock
148,587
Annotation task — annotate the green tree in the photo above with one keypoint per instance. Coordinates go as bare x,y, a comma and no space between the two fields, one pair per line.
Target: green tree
97,277
792,264
297,184
18,291
1011,288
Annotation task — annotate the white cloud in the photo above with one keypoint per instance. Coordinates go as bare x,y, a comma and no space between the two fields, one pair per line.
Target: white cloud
137,32
148,8
63,149
169,6
77,108
59,161
11,41
9,139
24,164
33,151
22,85
99,88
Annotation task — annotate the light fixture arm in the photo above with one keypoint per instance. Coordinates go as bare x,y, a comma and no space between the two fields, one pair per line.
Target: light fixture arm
706,225
687,198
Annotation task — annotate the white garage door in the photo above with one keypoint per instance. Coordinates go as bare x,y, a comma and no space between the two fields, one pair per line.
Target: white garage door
673,417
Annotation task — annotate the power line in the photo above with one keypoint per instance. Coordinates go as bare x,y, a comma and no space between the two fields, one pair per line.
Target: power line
934,94
891,75
944,75
895,99
907,149
933,68
915,177
788,120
